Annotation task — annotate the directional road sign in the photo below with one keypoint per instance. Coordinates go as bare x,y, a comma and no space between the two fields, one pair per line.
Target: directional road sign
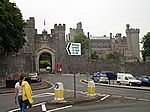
73,48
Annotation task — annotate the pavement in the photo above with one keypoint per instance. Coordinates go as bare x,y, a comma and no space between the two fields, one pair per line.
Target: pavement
34,86
120,86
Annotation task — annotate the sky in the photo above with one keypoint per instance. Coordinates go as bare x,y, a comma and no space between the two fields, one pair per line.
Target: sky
99,17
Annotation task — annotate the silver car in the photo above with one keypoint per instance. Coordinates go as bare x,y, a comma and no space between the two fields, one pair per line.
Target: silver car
34,77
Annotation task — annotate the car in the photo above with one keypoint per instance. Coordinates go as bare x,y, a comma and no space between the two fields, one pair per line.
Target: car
48,68
145,79
127,79
99,77
34,77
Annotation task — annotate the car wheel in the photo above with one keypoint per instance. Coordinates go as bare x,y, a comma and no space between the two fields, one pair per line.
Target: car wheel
130,84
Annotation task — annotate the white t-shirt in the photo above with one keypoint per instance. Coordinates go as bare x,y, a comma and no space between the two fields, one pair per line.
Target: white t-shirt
19,88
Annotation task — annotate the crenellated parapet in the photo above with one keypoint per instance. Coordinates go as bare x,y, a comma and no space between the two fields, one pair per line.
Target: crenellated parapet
132,30
30,23
60,27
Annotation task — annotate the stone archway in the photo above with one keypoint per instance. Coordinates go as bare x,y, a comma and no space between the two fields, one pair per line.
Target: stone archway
47,50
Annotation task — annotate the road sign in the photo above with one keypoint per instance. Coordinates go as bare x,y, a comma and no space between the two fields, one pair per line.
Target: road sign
73,48
56,86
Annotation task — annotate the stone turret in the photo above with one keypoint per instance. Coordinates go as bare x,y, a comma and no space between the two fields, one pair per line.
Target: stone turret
30,23
59,34
60,27
133,41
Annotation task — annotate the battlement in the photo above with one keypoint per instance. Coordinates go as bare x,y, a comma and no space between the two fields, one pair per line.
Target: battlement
30,23
60,27
132,30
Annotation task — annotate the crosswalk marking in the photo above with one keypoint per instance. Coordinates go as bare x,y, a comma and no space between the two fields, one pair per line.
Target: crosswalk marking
44,108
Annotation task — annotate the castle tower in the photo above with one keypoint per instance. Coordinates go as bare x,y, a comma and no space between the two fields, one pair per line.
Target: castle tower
59,33
133,41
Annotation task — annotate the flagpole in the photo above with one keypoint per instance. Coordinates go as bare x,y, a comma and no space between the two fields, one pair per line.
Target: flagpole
44,25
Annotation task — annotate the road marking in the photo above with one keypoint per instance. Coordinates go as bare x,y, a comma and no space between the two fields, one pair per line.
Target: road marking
42,95
14,110
116,96
105,97
44,108
61,108
100,94
144,100
131,98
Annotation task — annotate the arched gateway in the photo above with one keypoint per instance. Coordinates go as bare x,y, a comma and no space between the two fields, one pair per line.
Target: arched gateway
49,51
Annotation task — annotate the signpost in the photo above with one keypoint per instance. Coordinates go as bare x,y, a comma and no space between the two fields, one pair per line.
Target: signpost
74,49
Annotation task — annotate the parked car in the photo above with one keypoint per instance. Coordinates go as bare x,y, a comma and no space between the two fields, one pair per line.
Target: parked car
145,80
110,75
127,79
34,77
99,77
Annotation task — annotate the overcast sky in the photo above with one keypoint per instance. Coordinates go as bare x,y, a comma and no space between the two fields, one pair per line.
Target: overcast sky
99,17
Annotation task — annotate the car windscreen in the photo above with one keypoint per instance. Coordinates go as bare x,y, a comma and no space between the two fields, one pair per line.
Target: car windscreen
131,78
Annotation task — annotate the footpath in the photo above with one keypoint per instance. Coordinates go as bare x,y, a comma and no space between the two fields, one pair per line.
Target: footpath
120,86
34,86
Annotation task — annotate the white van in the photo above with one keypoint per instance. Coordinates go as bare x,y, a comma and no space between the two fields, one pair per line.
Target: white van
127,79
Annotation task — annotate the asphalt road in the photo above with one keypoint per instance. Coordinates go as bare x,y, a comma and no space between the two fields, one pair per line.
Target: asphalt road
115,99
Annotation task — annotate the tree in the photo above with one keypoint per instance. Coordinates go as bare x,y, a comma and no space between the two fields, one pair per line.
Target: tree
11,28
85,42
45,60
113,55
146,46
94,55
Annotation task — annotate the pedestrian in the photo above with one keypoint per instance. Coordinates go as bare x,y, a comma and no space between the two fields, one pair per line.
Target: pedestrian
23,93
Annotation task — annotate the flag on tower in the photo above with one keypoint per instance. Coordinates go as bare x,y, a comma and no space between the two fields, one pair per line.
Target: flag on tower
44,22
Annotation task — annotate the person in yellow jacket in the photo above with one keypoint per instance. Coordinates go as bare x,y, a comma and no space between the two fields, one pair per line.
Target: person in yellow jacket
24,92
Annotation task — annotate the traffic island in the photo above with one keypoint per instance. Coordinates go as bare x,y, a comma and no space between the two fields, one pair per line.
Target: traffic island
72,101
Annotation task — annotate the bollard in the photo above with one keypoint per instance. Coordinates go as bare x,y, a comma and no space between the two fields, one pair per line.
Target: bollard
59,91
91,88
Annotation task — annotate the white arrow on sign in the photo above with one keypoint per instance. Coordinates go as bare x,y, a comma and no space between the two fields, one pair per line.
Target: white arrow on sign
73,48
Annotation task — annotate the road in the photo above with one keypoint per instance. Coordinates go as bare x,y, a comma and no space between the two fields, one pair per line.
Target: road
118,100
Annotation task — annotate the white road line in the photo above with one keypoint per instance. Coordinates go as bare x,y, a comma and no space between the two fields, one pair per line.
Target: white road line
42,95
61,108
116,96
44,108
38,104
14,110
105,97
144,100
131,98
100,94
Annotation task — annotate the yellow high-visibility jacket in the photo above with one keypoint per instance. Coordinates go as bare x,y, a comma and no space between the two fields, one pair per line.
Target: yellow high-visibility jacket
26,92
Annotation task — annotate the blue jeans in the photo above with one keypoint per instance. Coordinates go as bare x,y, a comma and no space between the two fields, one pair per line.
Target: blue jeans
23,104
20,101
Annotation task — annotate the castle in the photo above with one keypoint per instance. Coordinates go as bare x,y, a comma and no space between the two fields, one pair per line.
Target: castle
54,45
127,46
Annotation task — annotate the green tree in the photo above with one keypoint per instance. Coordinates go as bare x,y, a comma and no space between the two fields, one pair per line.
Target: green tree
146,46
11,28
85,42
94,55
113,55
45,60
